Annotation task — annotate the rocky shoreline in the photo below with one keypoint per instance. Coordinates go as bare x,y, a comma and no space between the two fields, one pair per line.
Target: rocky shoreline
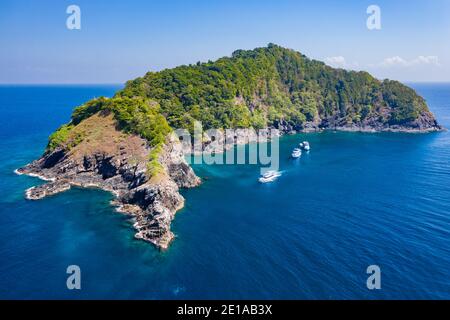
423,124
218,142
151,203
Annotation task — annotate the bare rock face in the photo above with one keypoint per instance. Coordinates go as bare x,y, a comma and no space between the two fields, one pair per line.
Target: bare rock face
118,163
423,124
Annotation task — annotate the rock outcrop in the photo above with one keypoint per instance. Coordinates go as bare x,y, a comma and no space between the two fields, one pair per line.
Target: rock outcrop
117,162
425,122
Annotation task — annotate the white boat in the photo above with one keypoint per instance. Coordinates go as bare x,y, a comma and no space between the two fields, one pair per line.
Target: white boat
269,176
305,145
296,153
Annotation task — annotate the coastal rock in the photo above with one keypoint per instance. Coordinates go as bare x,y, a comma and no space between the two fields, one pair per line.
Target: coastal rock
121,169
48,189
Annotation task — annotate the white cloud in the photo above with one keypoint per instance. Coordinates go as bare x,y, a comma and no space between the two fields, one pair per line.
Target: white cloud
428,60
340,62
420,60
390,62
336,61
394,61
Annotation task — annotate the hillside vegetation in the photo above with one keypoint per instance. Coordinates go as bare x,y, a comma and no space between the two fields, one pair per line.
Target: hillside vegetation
264,87
272,85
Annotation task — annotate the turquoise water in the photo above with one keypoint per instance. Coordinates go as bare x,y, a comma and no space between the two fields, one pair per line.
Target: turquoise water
354,200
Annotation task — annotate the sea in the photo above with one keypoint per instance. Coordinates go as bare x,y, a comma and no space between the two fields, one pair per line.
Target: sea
355,200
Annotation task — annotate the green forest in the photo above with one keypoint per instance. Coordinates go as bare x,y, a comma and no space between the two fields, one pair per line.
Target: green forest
259,88
262,87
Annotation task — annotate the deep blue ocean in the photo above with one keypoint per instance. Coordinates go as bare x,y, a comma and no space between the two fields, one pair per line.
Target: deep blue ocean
355,200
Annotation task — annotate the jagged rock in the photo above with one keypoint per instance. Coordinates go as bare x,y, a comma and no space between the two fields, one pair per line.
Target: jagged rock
48,189
121,169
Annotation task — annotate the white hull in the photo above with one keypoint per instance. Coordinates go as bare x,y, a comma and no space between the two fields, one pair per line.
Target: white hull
269,177
304,145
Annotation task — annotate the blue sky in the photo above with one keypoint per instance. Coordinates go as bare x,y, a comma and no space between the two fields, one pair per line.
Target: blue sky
121,40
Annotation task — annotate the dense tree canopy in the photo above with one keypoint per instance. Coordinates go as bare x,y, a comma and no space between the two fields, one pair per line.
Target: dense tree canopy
267,85
255,88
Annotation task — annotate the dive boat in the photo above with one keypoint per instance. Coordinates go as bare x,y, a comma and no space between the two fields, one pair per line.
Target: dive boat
305,145
269,176
296,153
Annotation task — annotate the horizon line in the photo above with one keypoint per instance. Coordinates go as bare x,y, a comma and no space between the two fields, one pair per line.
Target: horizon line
62,83
123,83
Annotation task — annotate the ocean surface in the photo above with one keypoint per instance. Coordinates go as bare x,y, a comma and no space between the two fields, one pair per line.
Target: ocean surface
355,200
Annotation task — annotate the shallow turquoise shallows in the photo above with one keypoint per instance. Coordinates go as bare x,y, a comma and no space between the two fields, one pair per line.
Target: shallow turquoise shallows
355,200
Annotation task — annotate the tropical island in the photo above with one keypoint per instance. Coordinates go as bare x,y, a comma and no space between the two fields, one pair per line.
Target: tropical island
125,144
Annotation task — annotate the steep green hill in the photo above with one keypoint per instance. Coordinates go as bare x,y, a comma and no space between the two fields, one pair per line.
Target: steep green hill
274,86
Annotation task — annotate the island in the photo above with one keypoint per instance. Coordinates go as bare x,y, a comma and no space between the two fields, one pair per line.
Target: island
126,144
